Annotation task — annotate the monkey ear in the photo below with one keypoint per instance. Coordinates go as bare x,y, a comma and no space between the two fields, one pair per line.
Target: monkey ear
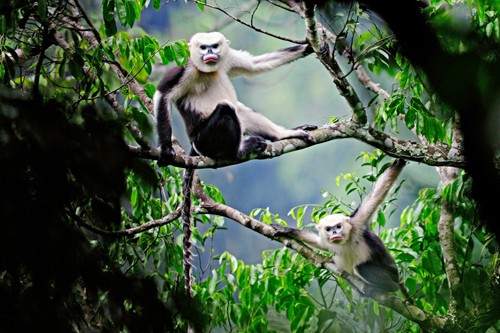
317,227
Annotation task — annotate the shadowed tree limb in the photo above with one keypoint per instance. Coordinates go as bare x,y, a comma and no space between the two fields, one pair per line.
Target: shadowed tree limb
433,154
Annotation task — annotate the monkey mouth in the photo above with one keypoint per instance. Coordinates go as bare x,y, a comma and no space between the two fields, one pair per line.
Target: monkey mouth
335,238
210,58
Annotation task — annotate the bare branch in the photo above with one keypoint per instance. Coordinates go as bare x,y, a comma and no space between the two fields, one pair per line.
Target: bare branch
345,89
250,25
368,83
447,234
135,230
435,155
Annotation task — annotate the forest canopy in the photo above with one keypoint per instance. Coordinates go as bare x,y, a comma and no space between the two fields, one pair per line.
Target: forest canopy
92,225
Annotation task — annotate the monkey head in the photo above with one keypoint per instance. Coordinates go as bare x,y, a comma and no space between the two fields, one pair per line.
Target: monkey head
207,50
334,229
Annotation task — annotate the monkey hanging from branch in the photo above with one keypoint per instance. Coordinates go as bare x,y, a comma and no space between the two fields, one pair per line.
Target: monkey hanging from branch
355,248
217,124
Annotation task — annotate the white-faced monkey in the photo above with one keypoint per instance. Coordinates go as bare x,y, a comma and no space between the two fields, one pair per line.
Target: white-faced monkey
217,124
357,250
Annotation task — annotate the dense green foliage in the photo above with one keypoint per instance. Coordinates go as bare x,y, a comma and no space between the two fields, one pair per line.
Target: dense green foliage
92,234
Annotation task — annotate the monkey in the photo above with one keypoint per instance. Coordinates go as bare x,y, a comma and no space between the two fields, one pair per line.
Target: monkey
356,249
218,125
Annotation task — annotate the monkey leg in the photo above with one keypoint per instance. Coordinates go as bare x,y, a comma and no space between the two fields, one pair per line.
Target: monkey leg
250,144
219,136
255,123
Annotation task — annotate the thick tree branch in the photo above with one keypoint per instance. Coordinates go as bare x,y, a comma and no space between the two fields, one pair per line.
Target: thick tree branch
435,155
447,234
328,60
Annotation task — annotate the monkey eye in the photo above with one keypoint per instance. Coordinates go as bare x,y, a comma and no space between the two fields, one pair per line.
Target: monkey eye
203,49
328,229
215,47
338,226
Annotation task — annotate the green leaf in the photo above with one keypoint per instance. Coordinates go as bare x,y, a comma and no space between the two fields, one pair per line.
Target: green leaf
42,10
108,10
157,4
62,66
431,262
108,15
76,65
131,12
375,308
121,10
410,118
213,283
201,4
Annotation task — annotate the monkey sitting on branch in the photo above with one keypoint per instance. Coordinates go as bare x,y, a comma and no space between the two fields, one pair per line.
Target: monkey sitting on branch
218,124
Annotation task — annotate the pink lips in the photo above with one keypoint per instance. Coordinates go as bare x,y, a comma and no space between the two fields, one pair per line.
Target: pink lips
209,58
336,238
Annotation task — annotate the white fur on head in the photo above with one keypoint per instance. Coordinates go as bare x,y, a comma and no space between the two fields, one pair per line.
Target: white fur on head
207,38
331,220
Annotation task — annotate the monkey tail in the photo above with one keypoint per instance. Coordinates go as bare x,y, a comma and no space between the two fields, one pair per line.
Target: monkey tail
186,228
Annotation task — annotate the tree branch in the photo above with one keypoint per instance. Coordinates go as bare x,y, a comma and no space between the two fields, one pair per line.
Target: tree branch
446,236
250,25
131,231
110,98
328,60
436,154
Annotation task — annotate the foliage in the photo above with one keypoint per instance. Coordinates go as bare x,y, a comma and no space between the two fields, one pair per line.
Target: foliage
63,173
93,241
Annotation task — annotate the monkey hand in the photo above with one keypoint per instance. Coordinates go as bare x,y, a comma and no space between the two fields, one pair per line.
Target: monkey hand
305,128
308,50
167,155
324,49
282,230
399,163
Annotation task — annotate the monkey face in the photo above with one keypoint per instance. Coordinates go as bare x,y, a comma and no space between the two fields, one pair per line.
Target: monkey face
207,51
334,228
335,233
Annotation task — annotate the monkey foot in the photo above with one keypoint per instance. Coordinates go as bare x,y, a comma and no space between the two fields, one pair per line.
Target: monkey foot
252,144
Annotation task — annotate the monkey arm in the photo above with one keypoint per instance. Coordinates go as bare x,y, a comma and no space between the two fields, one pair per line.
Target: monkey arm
164,128
382,186
305,236
162,101
246,64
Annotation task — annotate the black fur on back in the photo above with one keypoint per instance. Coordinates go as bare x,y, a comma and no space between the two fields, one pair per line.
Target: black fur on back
381,270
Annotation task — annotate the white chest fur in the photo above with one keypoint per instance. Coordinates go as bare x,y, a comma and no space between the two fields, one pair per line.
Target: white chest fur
350,255
208,90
